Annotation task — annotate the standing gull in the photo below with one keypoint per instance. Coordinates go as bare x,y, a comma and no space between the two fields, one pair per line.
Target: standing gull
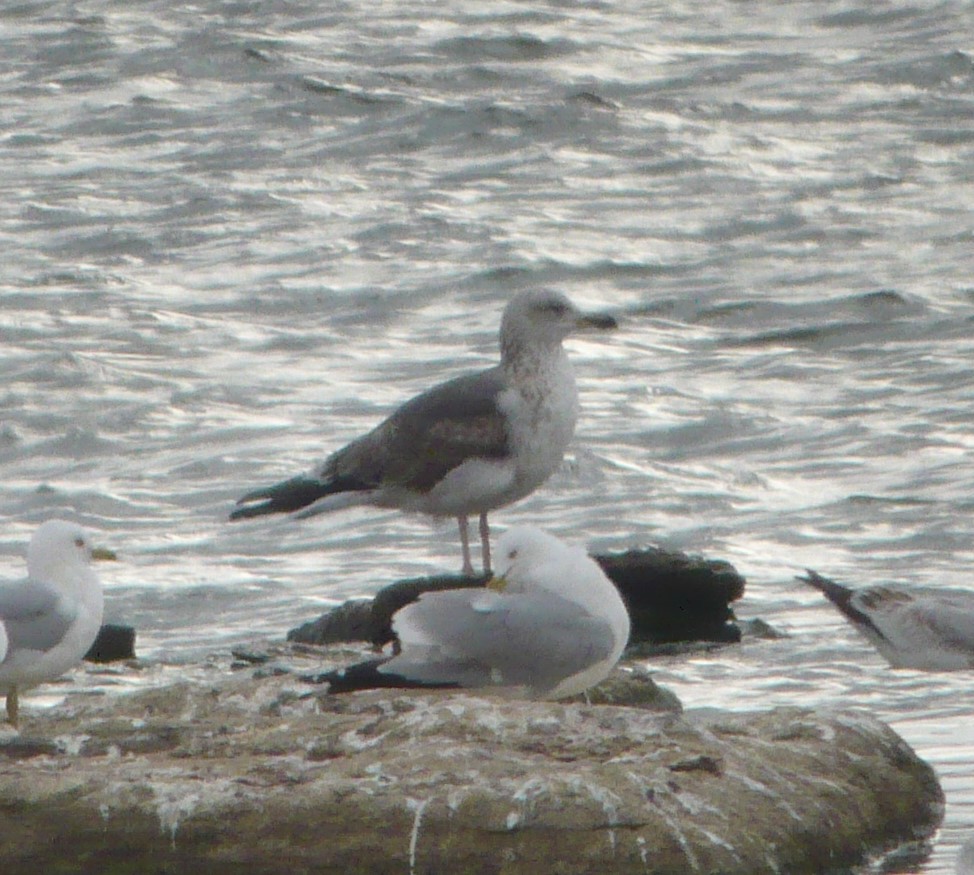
467,446
927,628
550,625
50,620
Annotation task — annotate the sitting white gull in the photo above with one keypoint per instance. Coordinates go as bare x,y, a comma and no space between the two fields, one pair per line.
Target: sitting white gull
49,620
470,445
550,625
930,629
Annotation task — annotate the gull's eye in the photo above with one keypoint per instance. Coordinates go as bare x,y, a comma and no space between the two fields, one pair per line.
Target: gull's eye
512,555
554,308
79,542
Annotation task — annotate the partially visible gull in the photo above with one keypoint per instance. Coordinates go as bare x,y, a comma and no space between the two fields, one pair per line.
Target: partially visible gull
965,858
467,446
49,620
922,628
550,625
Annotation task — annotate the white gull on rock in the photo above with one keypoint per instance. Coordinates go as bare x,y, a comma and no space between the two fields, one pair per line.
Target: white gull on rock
467,446
922,628
550,625
49,621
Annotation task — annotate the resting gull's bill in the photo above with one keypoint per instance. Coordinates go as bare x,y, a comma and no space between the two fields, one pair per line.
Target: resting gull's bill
49,620
922,628
467,446
550,625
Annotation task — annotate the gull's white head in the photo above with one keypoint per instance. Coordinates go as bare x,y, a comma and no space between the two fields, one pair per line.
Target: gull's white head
522,553
59,548
544,317
530,559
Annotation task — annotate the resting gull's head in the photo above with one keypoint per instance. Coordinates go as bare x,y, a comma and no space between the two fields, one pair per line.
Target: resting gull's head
529,557
59,551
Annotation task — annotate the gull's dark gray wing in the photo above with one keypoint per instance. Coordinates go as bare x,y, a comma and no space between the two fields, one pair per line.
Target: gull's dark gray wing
429,436
415,448
35,615
479,637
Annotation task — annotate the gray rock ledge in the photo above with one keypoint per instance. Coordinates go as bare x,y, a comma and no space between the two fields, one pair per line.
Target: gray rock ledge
263,774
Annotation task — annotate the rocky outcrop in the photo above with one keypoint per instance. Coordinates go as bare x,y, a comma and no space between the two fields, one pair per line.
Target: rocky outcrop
671,597
258,772
675,597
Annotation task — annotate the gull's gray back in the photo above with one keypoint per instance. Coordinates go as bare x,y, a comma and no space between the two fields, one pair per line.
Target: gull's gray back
479,638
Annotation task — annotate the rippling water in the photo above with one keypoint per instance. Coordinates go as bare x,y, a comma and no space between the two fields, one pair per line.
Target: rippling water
235,234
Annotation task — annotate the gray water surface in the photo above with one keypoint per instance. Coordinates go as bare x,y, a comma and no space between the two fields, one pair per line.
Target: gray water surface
236,234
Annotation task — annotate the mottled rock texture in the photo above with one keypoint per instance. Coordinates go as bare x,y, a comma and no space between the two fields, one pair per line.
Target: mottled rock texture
256,772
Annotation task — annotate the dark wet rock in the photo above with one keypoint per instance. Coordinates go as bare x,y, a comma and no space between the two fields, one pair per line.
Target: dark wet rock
17,747
675,597
350,621
270,671
672,597
701,763
630,685
250,655
114,642
259,775
761,629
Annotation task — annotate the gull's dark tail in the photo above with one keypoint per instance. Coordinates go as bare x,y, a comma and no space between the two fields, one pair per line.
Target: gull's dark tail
836,593
366,676
285,497
841,597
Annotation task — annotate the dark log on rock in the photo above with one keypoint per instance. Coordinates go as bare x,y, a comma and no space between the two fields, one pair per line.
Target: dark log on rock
675,597
350,621
671,597
114,642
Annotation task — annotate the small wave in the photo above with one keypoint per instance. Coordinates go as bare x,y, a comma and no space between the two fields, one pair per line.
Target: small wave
353,93
514,47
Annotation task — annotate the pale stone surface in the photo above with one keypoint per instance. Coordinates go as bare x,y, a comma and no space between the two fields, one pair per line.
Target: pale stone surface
261,773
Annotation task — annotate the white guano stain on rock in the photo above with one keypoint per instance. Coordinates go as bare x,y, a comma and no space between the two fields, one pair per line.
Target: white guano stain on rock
173,803
524,797
717,840
71,744
417,808
762,788
681,839
176,798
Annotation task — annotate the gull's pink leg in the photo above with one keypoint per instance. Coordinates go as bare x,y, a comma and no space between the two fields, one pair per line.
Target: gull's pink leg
485,541
465,544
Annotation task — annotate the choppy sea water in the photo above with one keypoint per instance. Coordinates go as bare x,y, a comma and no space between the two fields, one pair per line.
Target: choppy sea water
236,234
